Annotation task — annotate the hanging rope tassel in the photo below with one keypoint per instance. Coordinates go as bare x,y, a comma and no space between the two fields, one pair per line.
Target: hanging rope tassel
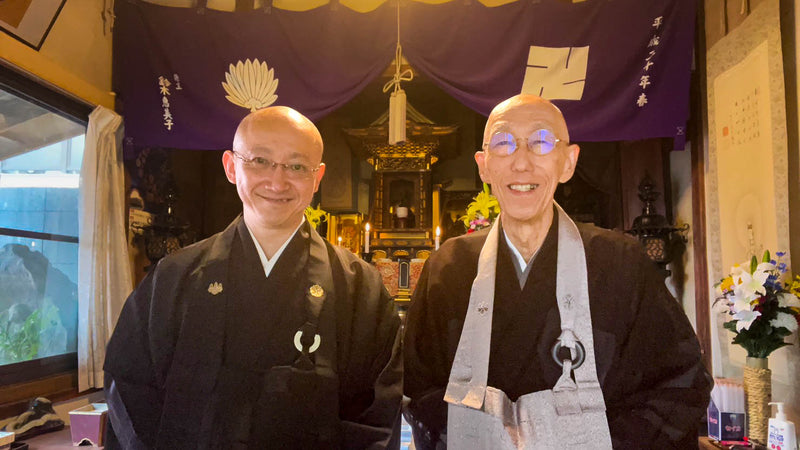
397,117
397,100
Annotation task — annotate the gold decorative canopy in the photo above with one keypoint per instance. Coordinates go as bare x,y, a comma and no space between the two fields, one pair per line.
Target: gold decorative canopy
425,143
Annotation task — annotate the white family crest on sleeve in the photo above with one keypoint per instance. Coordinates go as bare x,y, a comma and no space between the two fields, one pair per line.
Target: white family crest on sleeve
215,288
251,85
556,73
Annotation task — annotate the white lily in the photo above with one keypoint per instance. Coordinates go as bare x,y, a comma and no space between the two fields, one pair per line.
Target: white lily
750,286
784,320
744,319
742,304
767,267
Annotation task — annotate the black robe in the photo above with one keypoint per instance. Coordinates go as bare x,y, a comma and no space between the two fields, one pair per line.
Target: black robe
648,359
180,336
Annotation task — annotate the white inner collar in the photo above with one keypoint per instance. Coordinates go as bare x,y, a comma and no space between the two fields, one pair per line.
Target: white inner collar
269,263
522,264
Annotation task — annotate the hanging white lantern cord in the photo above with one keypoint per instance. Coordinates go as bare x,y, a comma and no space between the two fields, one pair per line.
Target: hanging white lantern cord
397,100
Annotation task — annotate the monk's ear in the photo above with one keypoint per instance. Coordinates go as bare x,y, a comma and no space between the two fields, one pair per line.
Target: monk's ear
570,162
480,160
229,165
318,176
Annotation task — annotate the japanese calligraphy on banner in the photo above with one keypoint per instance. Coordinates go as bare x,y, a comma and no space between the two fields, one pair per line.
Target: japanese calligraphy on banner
619,70
228,64
163,88
644,81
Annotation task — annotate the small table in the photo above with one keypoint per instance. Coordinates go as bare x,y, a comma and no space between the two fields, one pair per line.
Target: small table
56,440
706,443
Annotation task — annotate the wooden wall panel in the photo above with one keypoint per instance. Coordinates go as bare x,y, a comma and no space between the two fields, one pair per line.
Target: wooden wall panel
715,21
638,158
722,16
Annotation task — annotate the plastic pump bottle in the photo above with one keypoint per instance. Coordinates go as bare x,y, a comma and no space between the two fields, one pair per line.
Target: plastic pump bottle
781,431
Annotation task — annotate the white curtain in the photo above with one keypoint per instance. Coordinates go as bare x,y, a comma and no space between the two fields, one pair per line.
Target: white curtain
104,278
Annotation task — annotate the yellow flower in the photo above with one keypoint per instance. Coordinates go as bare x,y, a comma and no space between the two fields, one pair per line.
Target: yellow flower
484,205
795,287
726,284
315,216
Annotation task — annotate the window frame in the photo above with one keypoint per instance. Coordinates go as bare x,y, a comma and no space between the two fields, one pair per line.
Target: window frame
44,94
56,376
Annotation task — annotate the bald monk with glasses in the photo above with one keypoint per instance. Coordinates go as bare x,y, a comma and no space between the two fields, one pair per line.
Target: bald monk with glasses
263,335
540,333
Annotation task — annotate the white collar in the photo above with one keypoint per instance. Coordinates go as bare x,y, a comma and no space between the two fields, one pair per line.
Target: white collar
269,263
522,264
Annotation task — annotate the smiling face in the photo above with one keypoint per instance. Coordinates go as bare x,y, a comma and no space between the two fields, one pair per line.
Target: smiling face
273,199
524,182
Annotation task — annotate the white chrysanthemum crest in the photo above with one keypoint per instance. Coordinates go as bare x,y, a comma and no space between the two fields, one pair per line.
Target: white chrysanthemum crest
251,85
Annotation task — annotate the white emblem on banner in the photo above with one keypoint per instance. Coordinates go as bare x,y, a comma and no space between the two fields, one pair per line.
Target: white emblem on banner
556,72
251,85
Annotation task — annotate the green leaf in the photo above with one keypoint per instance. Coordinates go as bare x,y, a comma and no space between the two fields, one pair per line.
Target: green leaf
753,264
730,325
766,257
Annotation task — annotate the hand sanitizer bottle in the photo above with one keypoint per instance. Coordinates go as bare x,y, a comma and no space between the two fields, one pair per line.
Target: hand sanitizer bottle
781,431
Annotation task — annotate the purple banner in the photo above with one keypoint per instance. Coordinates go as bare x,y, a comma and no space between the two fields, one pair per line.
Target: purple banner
170,65
619,70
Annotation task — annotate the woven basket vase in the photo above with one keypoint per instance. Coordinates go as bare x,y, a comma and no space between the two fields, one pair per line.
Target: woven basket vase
758,392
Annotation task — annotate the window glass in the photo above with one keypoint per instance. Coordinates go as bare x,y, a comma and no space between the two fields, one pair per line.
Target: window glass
76,154
40,159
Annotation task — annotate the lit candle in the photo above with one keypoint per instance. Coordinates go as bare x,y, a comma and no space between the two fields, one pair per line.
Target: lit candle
340,241
366,239
438,233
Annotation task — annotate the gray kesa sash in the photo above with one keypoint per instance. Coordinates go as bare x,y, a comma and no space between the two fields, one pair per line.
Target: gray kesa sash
570,415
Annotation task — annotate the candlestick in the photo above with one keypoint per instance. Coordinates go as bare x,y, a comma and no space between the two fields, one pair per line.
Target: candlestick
366,239
436,241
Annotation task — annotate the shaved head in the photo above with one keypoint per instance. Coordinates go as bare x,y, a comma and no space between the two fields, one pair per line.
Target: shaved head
549,113
278,117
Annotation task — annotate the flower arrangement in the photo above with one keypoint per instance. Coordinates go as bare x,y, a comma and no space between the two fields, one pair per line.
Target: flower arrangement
482,211
765,307
315,216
